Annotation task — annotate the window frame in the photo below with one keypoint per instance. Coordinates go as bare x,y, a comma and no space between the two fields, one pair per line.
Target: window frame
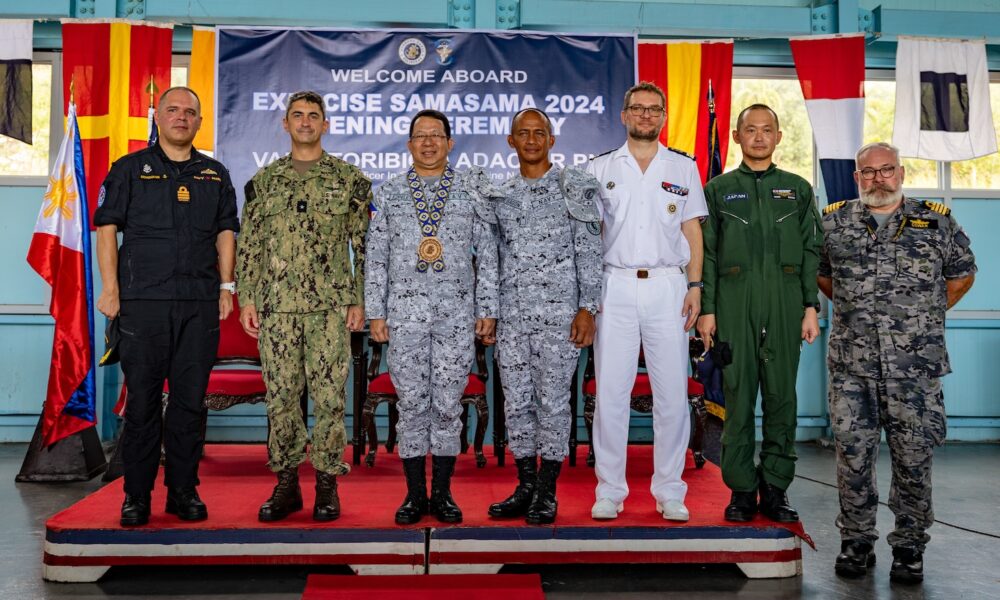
944,192
55,123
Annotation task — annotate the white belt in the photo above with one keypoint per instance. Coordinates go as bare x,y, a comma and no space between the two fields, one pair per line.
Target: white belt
645,273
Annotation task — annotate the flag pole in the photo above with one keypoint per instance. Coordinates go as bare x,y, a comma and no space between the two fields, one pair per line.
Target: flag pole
76,457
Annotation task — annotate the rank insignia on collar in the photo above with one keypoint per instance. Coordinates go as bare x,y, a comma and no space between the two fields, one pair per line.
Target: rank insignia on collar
674,189
611,185
147,169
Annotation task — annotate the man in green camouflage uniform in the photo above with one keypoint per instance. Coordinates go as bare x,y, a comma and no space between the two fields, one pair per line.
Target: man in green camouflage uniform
300,297
892,266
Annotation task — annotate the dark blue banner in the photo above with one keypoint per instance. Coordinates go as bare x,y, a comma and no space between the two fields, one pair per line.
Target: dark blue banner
372,83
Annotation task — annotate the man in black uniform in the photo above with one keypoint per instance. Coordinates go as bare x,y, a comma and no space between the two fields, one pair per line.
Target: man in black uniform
177,210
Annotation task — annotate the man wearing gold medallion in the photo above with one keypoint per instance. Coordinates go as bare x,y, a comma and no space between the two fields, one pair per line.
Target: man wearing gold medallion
428,298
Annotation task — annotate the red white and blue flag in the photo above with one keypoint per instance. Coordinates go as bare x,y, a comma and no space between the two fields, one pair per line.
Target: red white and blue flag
60,253
831,72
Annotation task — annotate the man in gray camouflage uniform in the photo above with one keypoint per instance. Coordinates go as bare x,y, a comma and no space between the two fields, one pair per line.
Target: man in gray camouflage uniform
300,296
426,296
550,274
892,266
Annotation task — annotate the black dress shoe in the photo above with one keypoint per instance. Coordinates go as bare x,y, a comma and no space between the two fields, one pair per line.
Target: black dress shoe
327,507
854,559
185,503
286,498
774,504
907,566
135,510
414,506
742,507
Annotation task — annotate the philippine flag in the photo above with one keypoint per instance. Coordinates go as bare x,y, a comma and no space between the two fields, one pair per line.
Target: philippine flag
60,253
831,72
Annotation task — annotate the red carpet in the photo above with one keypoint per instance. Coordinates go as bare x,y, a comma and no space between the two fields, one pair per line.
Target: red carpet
83,541
235,481
424,587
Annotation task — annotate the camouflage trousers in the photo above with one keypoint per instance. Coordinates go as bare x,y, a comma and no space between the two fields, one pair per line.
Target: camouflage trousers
296,349
536,370
429,365
911,412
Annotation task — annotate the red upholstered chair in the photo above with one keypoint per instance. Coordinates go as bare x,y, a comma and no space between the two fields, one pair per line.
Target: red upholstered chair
381,389
642,401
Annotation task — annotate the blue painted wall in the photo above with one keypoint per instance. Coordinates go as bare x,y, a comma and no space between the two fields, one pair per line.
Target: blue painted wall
973,330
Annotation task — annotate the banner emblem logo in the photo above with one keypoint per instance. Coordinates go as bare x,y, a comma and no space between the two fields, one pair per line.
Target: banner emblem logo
444,51
412,51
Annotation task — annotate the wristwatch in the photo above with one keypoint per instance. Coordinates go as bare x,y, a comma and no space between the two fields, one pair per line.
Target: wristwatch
696,284
229,287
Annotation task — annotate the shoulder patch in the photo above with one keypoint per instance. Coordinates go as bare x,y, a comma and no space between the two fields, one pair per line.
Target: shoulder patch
833,207
681,152
249,192
937,207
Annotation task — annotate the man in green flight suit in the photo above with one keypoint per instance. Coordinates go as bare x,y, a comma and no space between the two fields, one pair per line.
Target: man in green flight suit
300,294
762,244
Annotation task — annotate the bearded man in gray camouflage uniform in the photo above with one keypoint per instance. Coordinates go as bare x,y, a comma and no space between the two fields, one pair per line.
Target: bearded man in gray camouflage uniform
300,296
892,266
550,274
428,299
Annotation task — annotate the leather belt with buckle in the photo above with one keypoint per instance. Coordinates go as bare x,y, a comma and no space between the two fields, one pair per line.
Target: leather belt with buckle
642,274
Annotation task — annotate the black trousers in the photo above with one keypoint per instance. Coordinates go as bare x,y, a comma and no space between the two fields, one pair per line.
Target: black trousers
175,340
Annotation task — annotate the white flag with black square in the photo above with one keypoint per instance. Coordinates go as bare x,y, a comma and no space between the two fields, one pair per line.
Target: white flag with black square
943,99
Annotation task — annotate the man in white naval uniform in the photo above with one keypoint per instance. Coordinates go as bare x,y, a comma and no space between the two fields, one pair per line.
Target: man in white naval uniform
651,204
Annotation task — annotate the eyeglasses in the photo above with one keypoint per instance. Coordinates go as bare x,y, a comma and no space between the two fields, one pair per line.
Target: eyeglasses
868,174
637,110
434,137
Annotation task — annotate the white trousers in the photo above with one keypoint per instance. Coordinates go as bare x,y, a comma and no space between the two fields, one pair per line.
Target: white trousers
646,311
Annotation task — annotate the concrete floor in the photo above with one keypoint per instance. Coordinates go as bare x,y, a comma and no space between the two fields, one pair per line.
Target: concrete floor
963,559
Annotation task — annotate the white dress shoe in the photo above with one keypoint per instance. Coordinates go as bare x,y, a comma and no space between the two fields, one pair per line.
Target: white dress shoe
672,510
606,509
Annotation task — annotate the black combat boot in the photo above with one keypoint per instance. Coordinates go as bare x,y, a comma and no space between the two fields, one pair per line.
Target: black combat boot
442,505
415,504
327,507
543,502
854,559
285,499
516,505
185,503
742,507
774,504
907,566
135,510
